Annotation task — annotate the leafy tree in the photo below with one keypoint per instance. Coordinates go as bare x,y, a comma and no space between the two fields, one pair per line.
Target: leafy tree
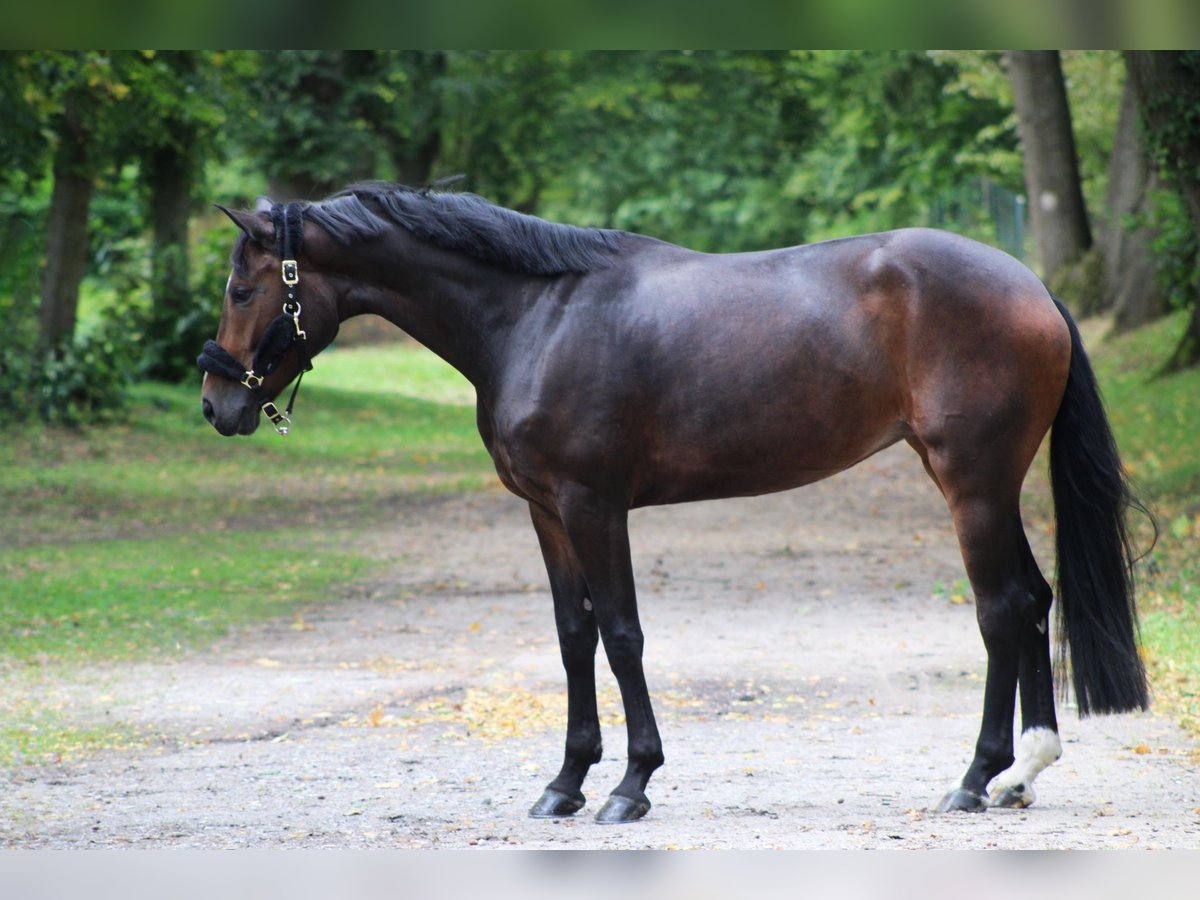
324,118
77,98
1128,237
24,148
181,98
1168,89
1060,221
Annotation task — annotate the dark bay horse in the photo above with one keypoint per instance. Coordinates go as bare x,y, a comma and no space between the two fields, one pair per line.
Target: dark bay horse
615,371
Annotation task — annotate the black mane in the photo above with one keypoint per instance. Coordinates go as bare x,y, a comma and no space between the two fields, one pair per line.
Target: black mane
465,223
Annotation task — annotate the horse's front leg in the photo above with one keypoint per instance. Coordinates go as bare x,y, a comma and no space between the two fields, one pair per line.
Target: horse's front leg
599,534
577,638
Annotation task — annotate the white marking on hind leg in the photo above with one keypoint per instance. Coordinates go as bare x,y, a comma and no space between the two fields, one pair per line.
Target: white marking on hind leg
1037,749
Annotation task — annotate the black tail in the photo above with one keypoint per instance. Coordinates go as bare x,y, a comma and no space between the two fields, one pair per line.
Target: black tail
1097,617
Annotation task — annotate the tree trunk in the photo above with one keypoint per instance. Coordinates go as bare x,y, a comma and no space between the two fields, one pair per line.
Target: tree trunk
169,176
1130,286
1060,223
66,231
414,156
168,172
1168,92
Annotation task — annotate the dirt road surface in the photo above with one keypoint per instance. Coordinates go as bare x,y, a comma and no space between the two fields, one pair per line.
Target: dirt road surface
814,687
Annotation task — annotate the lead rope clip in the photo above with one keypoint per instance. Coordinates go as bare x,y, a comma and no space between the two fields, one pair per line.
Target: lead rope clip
280,420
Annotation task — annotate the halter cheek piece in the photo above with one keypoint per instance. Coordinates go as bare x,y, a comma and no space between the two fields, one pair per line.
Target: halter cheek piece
281,335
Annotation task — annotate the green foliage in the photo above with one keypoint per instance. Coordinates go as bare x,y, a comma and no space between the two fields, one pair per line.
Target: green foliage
172,342
1176,251
721,150
1172,122
1095,79
85,381
319,119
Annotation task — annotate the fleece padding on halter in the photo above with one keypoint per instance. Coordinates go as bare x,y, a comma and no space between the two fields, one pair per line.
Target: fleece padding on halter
279,337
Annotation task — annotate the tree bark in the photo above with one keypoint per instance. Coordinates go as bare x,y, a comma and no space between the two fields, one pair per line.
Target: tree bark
169,176
414,156
66,231
1059,217
169,172
1168,92
1131,289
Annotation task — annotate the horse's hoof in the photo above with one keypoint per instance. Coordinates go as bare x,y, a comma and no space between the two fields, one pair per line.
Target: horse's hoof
620,809
962,800
1013,796
556,805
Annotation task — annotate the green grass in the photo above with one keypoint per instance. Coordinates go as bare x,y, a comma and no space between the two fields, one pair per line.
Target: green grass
123,599
32,735
1157,425
155,536
124,541
165,468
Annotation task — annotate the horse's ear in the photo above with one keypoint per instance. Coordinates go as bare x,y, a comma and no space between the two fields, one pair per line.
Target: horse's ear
258,227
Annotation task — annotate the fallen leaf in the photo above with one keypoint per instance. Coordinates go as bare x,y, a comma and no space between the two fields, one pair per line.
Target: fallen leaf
1141,749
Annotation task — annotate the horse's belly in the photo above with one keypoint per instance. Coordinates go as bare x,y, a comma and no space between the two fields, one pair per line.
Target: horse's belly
741,460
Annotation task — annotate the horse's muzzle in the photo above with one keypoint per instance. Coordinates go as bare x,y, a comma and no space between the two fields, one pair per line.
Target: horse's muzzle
242,419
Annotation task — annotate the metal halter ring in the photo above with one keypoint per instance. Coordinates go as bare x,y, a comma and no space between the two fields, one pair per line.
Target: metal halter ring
252,381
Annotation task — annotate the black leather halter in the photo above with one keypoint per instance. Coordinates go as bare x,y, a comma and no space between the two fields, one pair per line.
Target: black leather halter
281,335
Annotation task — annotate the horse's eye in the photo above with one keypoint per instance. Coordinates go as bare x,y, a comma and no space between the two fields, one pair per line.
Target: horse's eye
241,294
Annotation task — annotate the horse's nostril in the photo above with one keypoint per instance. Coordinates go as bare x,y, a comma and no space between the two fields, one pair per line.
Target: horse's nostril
209,413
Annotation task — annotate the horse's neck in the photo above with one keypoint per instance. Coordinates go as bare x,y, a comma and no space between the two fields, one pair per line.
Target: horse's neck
457,307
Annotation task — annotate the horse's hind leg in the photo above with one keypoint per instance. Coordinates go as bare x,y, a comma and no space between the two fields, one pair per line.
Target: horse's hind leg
982,491
1039,745
577,639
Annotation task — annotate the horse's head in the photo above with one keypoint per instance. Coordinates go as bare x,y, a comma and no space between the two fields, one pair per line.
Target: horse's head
279,312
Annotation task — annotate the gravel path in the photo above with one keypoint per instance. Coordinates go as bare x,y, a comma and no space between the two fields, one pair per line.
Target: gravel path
812,688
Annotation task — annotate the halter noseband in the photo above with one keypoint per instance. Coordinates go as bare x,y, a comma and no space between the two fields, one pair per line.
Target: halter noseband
283,332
